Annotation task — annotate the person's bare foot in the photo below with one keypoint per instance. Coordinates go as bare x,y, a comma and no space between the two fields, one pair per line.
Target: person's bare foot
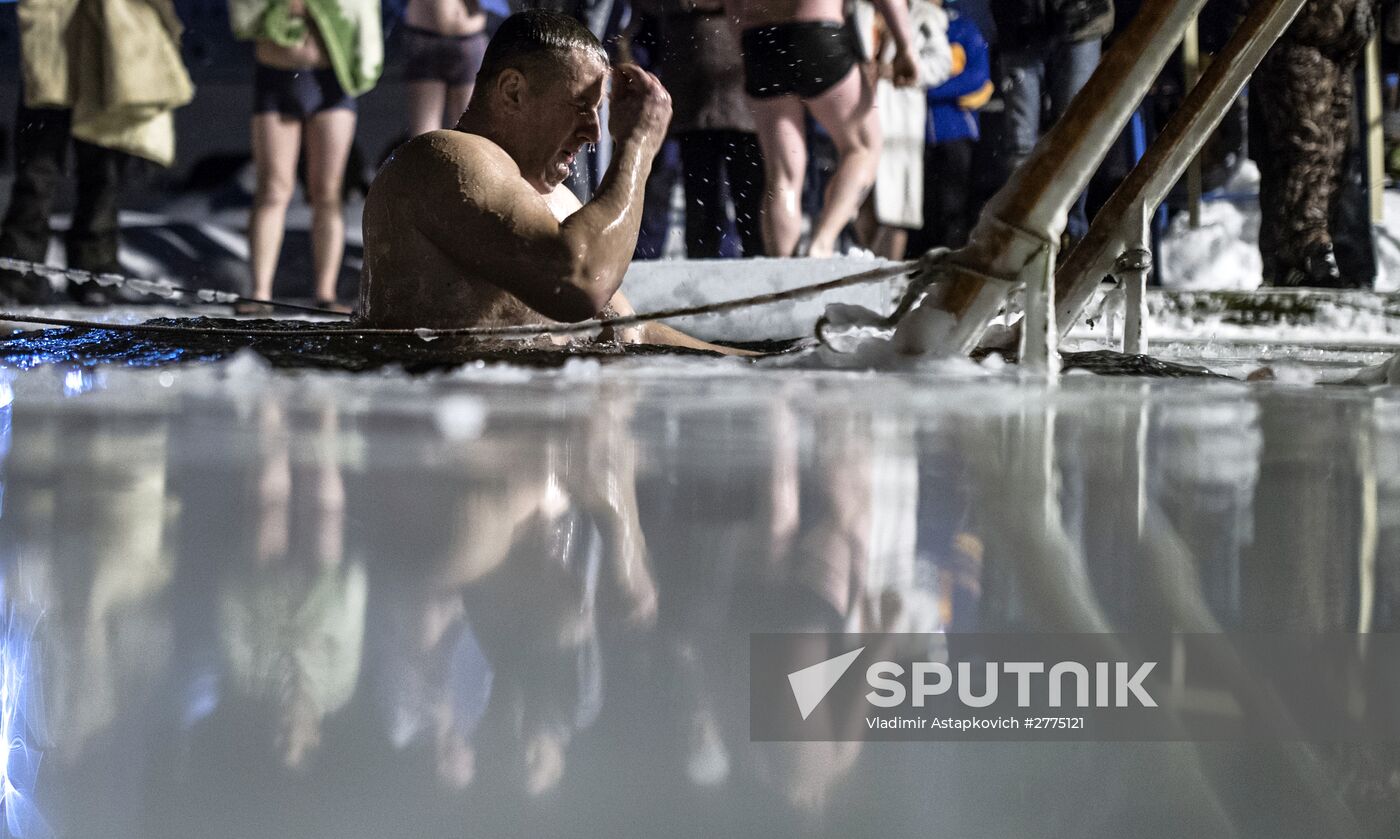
544,762
334,306
251,307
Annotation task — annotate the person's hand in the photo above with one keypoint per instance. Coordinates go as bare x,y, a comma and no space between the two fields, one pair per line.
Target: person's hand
624,49
641,107
904,70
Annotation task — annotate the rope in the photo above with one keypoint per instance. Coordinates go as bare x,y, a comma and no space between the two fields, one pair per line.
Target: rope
158,288
512,331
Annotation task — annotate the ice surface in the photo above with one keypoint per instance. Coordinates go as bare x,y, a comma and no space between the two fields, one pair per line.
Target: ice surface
250,580
275,602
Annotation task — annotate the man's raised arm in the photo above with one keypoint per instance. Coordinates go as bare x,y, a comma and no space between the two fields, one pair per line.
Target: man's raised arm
498,228
603,234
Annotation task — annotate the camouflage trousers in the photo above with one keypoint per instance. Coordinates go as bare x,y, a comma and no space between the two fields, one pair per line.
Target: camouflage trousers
1306,100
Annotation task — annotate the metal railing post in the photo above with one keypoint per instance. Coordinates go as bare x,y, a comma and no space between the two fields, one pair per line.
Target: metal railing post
1028,214
1191,66
1132,269
1375,133
1040,339
1179,141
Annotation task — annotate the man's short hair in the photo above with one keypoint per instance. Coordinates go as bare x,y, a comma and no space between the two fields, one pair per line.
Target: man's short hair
536,39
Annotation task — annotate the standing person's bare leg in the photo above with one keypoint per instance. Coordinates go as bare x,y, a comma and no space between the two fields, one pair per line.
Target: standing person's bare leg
867,225
425,106
781,135
276,146
328,138
847,113
890,242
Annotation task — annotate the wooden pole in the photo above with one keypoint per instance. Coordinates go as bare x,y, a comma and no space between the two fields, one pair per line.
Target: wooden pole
1375,133
1191,66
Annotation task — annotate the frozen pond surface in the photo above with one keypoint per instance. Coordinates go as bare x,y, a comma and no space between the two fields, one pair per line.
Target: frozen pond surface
501,602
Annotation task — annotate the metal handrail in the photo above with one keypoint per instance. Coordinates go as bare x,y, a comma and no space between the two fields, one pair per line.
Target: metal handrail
1023,221
1117,226
1015,238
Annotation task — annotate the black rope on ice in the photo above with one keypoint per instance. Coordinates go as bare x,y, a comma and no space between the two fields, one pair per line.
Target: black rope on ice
514,331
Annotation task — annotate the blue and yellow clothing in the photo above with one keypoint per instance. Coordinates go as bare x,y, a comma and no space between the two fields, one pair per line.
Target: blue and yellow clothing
953,105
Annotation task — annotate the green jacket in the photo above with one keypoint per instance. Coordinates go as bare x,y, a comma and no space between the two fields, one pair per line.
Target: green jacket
349,28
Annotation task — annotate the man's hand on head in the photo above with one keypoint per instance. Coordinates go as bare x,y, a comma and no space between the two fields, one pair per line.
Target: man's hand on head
641,107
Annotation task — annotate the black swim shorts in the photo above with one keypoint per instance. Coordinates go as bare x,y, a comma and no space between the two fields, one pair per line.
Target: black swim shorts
805,58
450,59
298,93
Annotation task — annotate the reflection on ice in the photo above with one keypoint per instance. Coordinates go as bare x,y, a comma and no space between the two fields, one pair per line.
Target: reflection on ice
22,733
520,605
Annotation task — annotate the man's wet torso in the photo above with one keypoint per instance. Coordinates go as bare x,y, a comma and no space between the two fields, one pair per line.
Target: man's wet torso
408,281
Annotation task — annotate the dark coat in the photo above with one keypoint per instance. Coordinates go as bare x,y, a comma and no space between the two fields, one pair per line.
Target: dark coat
1022,23
702,68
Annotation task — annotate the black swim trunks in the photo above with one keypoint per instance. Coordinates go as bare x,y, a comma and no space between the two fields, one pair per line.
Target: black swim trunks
804,58
450,59
298,93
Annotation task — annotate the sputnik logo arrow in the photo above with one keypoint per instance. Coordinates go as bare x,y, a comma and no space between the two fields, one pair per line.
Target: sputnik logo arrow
810,685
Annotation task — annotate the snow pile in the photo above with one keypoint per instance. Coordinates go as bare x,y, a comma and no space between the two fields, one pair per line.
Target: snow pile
667,284
1223,253
1385,373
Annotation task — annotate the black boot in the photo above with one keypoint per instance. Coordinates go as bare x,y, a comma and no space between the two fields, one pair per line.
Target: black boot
18,289
1317,269
41,153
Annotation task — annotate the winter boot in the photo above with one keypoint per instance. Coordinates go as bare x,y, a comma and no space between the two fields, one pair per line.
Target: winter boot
1317,269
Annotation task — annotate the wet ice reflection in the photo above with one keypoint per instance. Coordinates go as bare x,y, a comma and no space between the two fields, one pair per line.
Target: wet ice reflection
356,607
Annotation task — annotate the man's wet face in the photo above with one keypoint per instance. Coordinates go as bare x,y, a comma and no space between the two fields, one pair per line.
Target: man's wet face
565,115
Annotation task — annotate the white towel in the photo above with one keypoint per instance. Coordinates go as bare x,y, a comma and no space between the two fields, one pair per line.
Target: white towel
899,180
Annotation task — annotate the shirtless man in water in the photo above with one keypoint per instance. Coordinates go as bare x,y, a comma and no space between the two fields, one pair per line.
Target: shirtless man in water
472,226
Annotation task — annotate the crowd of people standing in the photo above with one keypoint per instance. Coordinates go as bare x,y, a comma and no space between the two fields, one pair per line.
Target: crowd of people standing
801,127
754,83
761,88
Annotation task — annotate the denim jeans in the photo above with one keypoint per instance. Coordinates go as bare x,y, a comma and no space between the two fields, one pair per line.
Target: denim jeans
716,163
1028,75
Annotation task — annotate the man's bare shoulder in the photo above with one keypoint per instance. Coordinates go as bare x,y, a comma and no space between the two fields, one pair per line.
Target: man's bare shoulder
460,157
450,181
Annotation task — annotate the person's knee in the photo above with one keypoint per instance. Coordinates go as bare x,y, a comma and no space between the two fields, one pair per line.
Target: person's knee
328,205
863,139
273,190
782,176
325,197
